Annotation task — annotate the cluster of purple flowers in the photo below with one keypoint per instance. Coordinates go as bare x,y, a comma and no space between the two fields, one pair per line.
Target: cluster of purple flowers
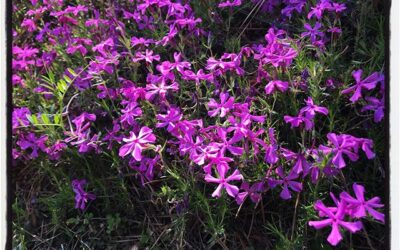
346,207
222,146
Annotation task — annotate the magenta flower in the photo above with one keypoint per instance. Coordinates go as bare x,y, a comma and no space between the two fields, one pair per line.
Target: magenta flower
311,109
81,197
230,4
376,105
147,56
252,137
103,47
146,168
217,160
338,7
340,145
130,112
214,64
319,9
287,182
368,83
55,150
136,144
187,145
312,32
141,41
275,85
228,144
240,126
170,119
223,182
297,121
300,162
223,107
335,220
33,143
29,24
197,77
158,86
334,30
360,206
20,117
207,152
254,192
271,155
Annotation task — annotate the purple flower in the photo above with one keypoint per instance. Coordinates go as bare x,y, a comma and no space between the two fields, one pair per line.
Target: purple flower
55,151
271,155
19,117
228,62
340,145
278,51
146,168
141,41
252,137
32,142
179,65
223,182
170,119
368,83
81,197
287,182
81,135
228,144
240,126
296,121
275,85
223,107
359,205
293,5
319,9
335,220
300,165
130,111
197,77
230,4
311,109
336,30
136,144
216,159
29,24
207,152
158,86
254,191
147,56
376,105
337,7
312,32
103,47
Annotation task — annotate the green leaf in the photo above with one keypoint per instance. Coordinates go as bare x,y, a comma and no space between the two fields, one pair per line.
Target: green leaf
72,72
45,118
57,118
33,119
67,79
62,86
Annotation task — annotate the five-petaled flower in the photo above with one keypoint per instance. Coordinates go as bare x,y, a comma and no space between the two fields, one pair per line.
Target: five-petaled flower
136,144
360,206
81,196
223,182
220,108
368,83
336,219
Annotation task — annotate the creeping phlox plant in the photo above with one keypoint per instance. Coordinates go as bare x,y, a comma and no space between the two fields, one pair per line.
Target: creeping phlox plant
142,84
